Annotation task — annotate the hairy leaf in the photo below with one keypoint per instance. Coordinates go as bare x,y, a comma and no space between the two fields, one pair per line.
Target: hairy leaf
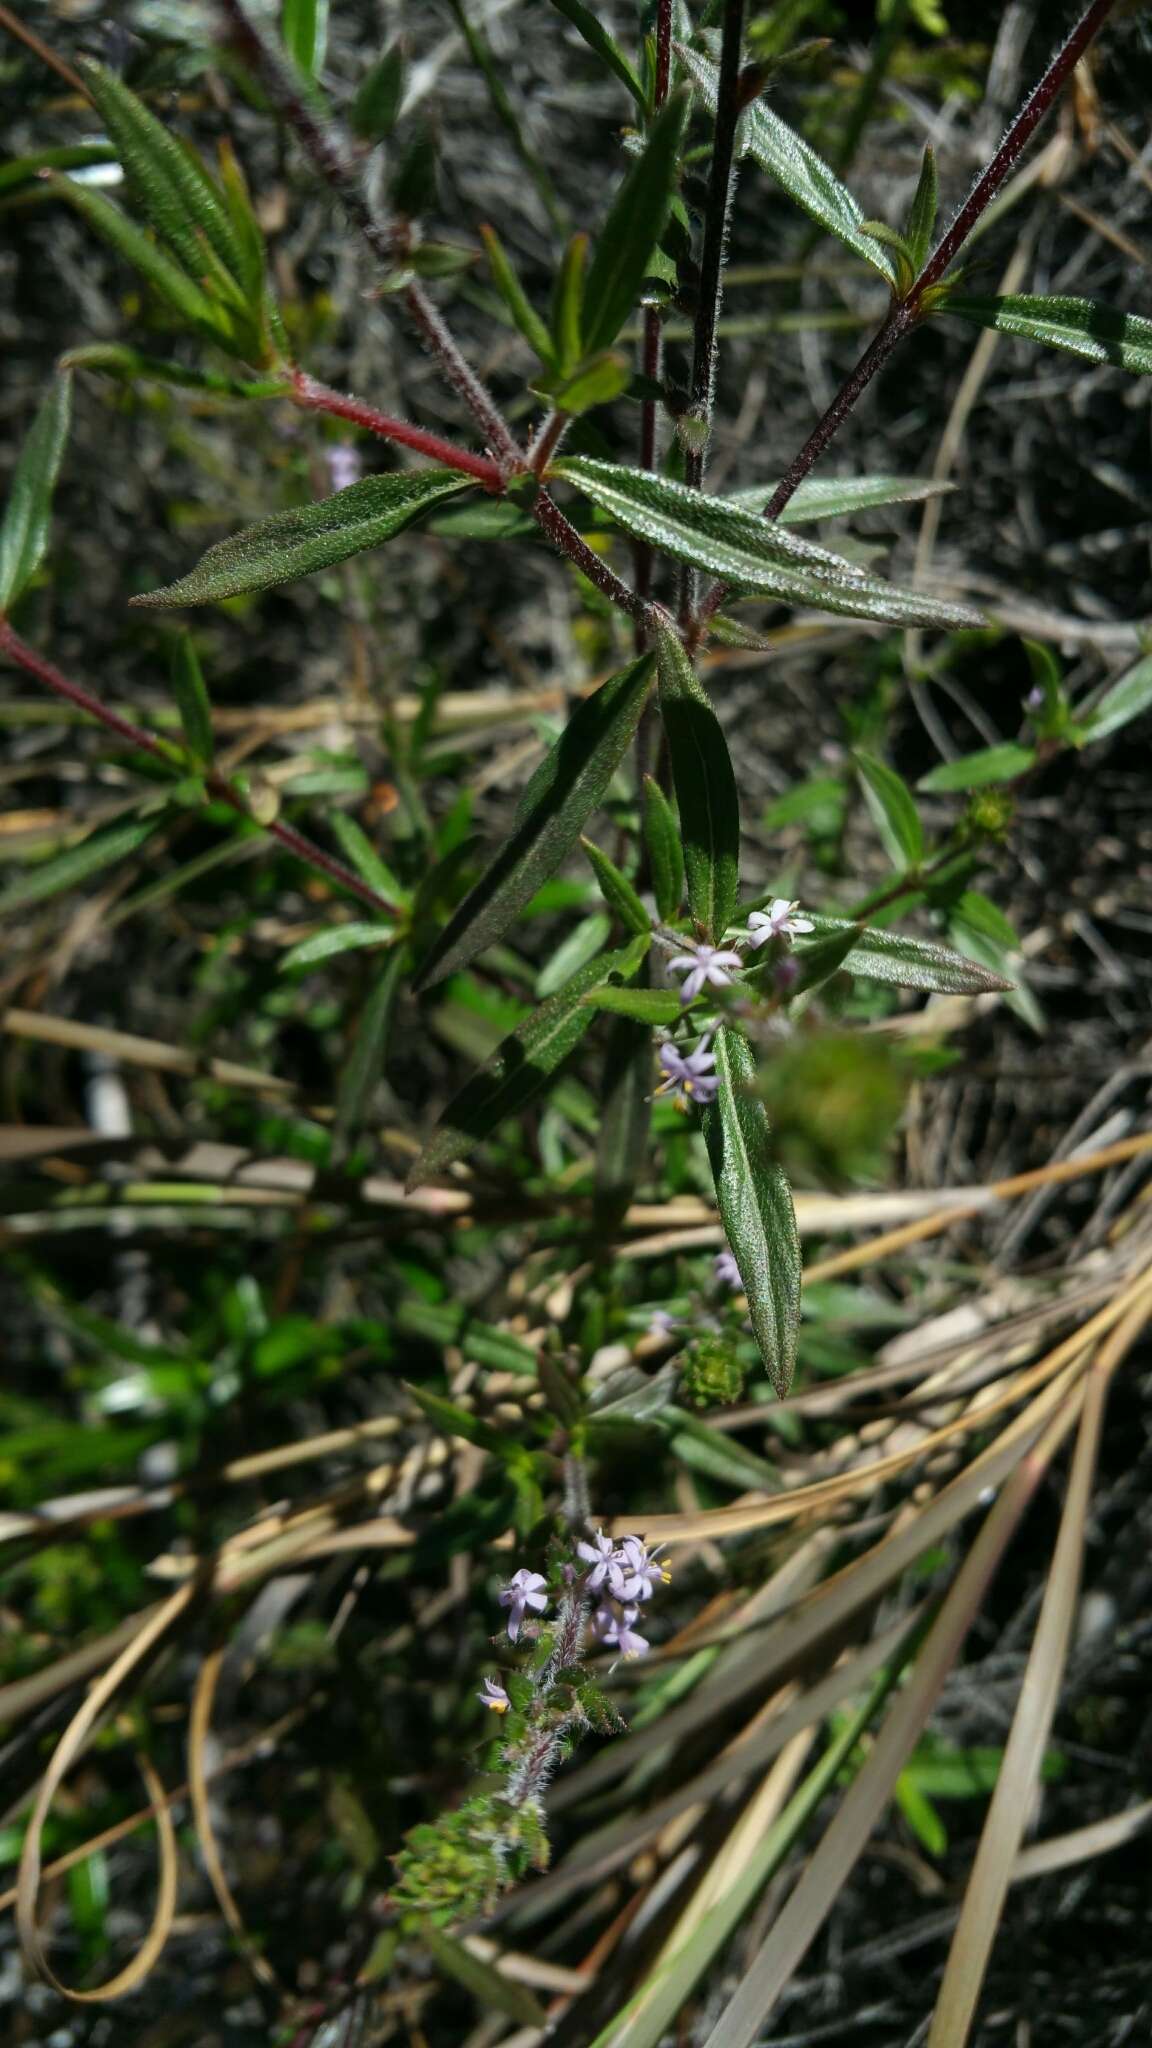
179,197
706,793
665,852
565,790
606,47
311,537
523,313
904,962
634,225
65,870
893,811
617,890
369,1048
202,313
922,213
28,512
522,1064
974,771
1122,701
340,938
805,176
646,1005
755,1204
1099,333
828,497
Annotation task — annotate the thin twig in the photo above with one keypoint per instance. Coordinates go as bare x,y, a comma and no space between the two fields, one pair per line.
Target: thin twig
313,396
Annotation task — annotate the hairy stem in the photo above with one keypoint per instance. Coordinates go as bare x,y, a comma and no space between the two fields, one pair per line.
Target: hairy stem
313,396
652,344
138,736
564,536
907,312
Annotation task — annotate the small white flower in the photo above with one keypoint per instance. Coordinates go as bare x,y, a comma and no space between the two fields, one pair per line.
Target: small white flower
704,965
689,1074
779,921
600,1554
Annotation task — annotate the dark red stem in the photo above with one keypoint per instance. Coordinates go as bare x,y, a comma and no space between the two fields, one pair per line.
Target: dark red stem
547,441
564,536
34,664
316,397
652,346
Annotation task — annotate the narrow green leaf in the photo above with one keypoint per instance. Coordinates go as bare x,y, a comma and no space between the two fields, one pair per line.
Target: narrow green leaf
304,33
645,1005
449,1323
755,1204
376,106
983,933
493,1992
665,851
311,537
904,962
805,176
1122,701
607,49
28,512
171,183
21,170
893,811
522,1064
341,938
829,497
113,359
595,382
568,306
617,890
249,238
634,225
585,942
922,212
413,186
706,793
979,914
1101,334
625,1115
146,256
65,870
369,1050
989,764
523,314
459,1422
192,700
566,788
358,848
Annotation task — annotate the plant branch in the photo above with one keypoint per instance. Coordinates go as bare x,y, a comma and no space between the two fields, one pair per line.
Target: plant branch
313,396
217,785
652,344
906,313
564,536
388,242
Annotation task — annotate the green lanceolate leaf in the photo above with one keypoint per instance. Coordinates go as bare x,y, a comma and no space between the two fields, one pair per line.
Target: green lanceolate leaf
665,852
1099,333
617,890
585,942
922,213
24,528
975,771
192,700
304,33
828,497
100,850
904,962
755,1204
607,49
892,810
711,533
634,225
625,1114
311,537
374,110
174,189
1124,700
646,1005
868,598
706,792
523,314
202,313
568,305
341,938
565,790
595,382
522,1064
358,848
805,176
369,1049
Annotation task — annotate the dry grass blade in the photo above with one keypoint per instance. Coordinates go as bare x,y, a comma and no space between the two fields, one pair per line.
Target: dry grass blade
1015,1787
136,1051
844,1842
199,1725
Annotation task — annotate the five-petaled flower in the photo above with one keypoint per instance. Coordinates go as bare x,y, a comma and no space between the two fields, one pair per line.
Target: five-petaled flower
779,921
601,1555
726,1269
638,1571
525,1590
494,1696
688,1073
704,964
612,1626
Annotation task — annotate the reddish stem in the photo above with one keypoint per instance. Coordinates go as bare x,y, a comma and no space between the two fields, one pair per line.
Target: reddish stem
652,347
564,536
138,736
547,441
317,397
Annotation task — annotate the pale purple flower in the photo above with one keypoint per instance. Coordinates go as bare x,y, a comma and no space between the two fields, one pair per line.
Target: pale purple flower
662,1322
612,1626
725,1268
779,921
494,1696
600,1554
638,1571
703,965
688,1073
525,1590
344,464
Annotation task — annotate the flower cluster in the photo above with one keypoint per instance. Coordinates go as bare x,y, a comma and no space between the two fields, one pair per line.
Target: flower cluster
712,966
624,1575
